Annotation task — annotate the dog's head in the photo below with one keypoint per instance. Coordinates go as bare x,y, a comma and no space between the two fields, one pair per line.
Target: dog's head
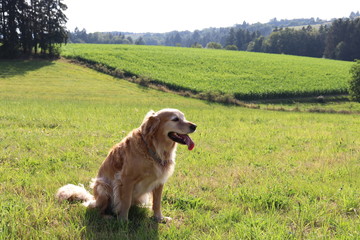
168,125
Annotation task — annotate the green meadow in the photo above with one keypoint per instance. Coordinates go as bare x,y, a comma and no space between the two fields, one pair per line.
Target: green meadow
244,75
253,174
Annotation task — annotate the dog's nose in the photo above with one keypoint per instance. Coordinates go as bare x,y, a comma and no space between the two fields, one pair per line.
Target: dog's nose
193,127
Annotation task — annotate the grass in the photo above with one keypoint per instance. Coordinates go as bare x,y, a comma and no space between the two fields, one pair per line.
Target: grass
243,75
329,104
253,174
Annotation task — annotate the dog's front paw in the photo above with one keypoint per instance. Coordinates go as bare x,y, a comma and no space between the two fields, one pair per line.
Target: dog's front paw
162,219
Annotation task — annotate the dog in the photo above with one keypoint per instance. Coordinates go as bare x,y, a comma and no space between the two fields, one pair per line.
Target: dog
136,169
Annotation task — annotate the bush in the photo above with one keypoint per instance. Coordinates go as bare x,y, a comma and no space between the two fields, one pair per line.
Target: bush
231,47
196,45
55,51
354,84
214,45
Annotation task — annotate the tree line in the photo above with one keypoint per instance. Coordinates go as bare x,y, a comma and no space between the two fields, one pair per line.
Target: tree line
307,41
340,41
336,40
81,36
187,38
32,27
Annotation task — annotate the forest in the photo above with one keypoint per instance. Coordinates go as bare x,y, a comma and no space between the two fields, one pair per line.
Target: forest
30,27
337,39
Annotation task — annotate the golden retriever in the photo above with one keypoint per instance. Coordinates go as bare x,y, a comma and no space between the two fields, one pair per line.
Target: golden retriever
136,169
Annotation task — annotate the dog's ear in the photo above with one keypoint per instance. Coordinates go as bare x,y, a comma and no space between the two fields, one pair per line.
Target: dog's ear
150,123
149,114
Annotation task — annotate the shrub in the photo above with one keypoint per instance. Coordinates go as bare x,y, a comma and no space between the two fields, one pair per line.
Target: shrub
214,45
196,45
231,47
354,84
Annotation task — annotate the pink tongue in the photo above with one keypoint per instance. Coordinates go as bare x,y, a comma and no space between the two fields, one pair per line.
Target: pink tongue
189,142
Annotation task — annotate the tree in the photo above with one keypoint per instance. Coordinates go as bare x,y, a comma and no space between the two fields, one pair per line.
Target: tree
177,40
53,22
129,40
231,39
303,42
343,40
354,15
354,84
9,26
256,45
195,36
80,36
242,38
139,41
26,25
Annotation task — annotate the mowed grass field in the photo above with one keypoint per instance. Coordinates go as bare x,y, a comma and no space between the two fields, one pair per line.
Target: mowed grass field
253,174
244,75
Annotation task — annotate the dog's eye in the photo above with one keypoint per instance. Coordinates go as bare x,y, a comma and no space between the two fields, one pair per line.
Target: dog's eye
176,119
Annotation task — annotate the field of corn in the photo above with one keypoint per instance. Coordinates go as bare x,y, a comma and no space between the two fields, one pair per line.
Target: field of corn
243,75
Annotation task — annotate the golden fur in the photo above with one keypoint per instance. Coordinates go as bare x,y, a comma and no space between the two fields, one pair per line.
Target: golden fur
136,169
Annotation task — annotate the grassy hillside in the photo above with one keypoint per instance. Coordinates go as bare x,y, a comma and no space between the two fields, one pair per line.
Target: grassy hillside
243,74
253,174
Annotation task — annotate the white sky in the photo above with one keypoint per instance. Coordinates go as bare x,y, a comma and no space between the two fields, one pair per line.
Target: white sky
166,15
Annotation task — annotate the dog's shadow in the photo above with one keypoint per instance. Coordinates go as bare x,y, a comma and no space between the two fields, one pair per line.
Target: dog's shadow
139,226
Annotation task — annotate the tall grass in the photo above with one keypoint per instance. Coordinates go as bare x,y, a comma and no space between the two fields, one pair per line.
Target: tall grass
253,174
243,75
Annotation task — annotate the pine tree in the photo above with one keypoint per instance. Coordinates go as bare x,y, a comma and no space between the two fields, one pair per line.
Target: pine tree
231,39
26,25
9,26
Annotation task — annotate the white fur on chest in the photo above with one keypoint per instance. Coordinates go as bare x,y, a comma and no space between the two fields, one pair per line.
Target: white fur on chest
153,179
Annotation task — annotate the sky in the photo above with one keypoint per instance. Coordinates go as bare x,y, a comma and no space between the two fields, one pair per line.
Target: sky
159,16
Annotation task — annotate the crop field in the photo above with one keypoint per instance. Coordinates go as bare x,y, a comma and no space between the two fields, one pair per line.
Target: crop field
245,75
253,174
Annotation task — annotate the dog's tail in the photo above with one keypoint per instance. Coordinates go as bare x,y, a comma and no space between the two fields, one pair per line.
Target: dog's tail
72,192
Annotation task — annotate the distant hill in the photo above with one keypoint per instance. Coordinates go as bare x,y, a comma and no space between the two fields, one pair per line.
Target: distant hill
187,38
303,37
202,37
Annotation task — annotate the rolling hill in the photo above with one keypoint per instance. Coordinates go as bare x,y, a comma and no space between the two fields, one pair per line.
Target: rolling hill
243,75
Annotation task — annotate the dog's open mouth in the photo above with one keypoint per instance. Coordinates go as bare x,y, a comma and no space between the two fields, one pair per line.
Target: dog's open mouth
182,139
